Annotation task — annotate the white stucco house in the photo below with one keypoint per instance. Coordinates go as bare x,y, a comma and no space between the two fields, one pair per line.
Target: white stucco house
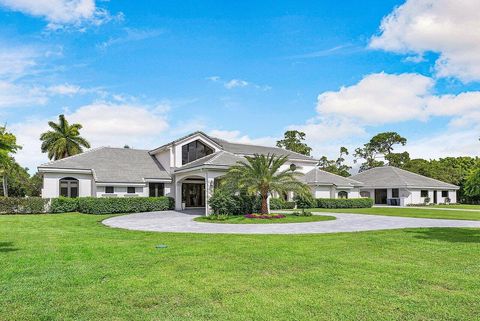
390,185
188,170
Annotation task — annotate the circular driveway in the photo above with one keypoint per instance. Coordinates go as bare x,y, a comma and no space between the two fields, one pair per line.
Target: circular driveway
173,221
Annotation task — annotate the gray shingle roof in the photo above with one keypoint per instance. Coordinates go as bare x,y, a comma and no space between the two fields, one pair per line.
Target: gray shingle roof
218,159
122,165
247,149
393,177
319,177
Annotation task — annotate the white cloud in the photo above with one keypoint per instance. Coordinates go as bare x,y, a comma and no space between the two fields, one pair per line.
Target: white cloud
344,116
104,124
237,137
64,89
236,83
13,95
60,12
447,27
16,61
379,98
131,35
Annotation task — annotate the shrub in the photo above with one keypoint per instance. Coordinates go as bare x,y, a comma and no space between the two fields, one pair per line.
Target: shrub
264,216
281,204
29,205
305,201
427,200
64,205
344,203
302,213
223,202
93,205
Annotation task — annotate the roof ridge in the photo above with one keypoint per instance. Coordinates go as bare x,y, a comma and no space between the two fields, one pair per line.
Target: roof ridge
217,154
422,176
398,175
70,157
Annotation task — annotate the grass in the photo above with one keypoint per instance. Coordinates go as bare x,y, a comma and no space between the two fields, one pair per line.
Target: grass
406,212
289,218
460,206
70,267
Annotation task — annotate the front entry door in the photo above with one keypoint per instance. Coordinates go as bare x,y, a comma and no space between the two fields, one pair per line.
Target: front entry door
193,194
435,197
380,196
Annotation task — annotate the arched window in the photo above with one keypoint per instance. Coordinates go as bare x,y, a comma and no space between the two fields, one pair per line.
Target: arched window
342,194
69,187
365,194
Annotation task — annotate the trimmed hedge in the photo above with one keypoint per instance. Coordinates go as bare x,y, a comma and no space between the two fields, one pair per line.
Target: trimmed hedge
64,205
94,205
281,204
30,205
87,205
344,203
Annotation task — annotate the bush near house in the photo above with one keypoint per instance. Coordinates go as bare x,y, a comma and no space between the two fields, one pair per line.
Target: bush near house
344,203
94,205
64,205
281,204
16,205
87,205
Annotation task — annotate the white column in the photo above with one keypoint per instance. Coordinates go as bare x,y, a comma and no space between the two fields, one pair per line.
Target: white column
209,186
178,195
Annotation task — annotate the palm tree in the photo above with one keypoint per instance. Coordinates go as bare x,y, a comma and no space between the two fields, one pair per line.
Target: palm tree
261,174
8,144
64,140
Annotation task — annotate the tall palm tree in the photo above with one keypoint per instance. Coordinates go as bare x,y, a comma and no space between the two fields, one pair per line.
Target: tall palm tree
261,174
64,140
8,144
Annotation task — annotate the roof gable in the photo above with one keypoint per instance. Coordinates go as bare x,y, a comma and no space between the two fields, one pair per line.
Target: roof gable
319,177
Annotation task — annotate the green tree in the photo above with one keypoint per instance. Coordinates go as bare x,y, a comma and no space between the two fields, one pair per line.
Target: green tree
18,180
472,185
337,166
261,175
379,146
292,140
8,145
64,140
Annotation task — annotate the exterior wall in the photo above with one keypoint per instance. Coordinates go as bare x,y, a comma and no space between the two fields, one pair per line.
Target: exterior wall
165,158
121,190
51,184
413,196
322,191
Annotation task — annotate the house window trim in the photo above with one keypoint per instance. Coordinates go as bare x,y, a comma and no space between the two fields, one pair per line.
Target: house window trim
107,187
185,151
129,188
69,181
422,194
447,192
343,193
398,193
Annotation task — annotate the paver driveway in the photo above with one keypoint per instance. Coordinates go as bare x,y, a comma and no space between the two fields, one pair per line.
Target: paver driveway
173,221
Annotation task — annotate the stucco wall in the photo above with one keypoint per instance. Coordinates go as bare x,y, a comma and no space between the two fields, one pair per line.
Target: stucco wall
51,184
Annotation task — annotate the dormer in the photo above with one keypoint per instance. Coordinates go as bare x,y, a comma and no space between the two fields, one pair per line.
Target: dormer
185,150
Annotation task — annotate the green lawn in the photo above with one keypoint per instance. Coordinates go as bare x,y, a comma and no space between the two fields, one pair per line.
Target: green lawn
240,219
70,267
406,212
460,206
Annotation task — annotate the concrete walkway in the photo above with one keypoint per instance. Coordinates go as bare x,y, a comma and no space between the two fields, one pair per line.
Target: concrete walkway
172,221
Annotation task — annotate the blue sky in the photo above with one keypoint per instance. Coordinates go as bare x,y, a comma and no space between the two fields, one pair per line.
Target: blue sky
144,72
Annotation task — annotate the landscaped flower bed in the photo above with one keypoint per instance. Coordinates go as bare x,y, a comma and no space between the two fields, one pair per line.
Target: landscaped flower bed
264,216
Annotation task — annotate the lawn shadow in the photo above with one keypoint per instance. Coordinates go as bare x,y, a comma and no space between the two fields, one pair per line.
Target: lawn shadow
7,247
454,235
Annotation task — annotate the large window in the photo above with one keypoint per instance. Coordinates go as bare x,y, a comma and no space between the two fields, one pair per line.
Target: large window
156,189
424,193
109,189
194,150
131,190
69,187
444,193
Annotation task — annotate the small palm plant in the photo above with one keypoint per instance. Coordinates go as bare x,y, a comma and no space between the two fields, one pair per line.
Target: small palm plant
261,175
64,140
